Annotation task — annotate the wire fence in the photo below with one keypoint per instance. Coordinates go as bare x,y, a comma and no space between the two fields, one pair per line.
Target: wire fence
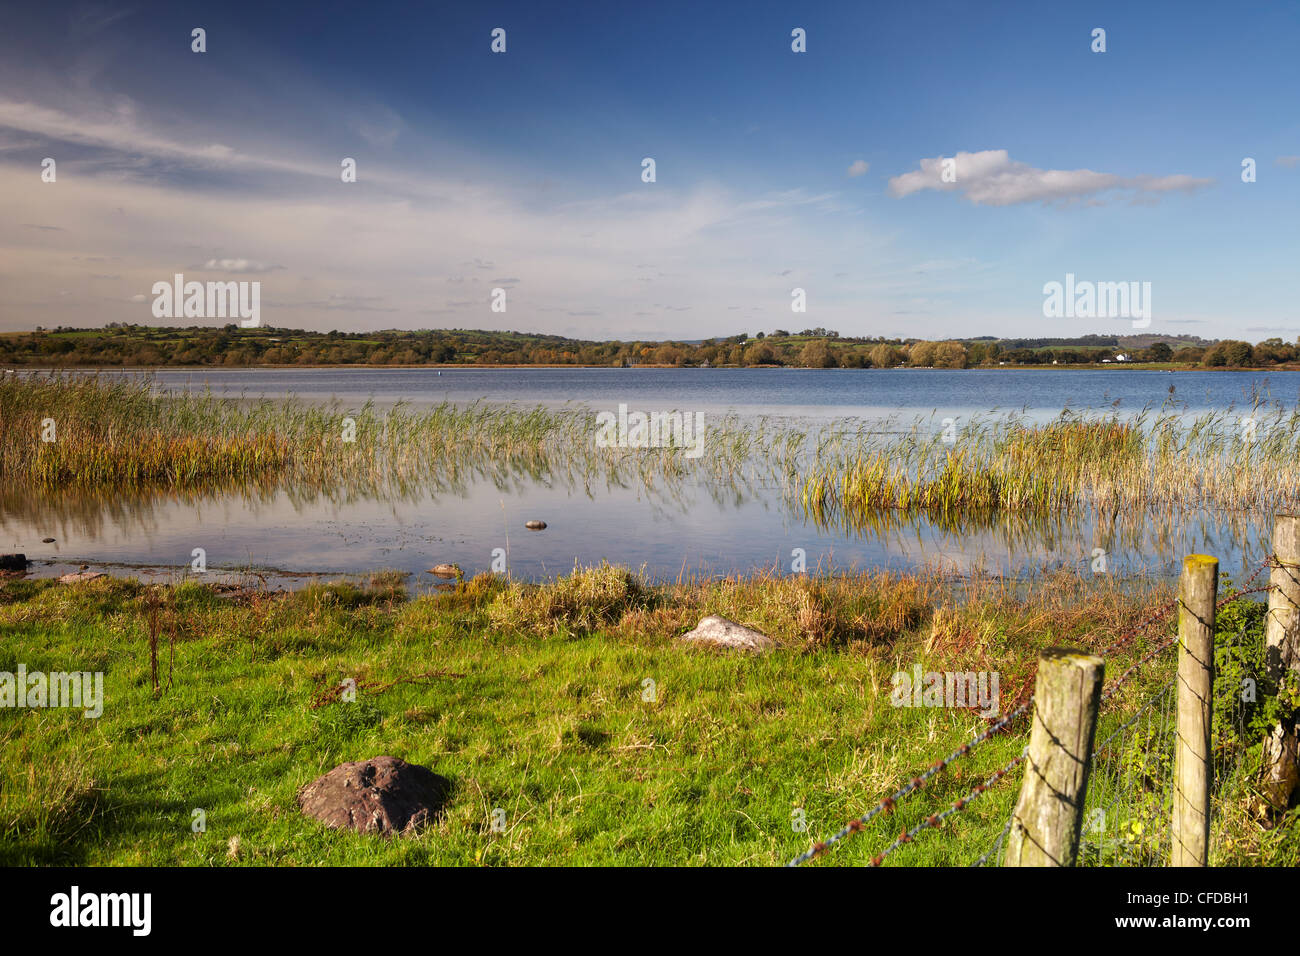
1234,769
1130,793
1131,787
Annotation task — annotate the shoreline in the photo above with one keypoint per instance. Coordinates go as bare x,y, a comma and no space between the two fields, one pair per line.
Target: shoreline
1127,366
425,582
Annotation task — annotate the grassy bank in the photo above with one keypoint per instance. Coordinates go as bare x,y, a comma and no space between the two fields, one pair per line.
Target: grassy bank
533,699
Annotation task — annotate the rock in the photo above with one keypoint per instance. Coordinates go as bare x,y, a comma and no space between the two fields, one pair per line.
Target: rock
47,540
535,525
727,633
445,570
13,562
383,795
76,576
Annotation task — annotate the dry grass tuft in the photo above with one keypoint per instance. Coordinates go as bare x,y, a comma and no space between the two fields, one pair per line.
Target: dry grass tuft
585,600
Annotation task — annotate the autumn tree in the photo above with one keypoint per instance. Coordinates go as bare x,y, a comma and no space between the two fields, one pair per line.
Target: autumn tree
949,355
885,356
922,354
817,354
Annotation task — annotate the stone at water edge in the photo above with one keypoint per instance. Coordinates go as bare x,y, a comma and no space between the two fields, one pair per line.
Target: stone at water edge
445,570
535,525
13,562
383,795
724,632
76,576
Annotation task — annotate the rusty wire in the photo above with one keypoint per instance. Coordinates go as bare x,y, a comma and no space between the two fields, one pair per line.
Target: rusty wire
889,803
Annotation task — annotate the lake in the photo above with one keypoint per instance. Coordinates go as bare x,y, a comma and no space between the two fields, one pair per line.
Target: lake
692,527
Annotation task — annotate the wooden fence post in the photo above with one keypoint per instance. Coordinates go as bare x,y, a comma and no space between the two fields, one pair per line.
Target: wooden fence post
1282,645
1049,814
1193,773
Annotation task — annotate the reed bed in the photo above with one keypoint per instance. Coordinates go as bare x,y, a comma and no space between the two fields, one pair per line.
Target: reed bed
1153,461
89,433
112,435
119,434
154,459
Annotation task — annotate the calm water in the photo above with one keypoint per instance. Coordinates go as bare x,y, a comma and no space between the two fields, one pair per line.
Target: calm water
832,393
691,528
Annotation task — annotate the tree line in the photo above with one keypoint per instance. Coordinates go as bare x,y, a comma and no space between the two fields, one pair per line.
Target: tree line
132,346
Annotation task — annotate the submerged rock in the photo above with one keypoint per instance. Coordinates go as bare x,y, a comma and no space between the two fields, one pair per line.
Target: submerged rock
723,632
535,525
382,795
47,540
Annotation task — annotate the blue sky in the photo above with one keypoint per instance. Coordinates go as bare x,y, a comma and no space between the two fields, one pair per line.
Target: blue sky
775,170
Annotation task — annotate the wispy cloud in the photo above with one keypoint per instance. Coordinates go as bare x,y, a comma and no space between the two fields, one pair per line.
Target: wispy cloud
991,178
385,254
238,266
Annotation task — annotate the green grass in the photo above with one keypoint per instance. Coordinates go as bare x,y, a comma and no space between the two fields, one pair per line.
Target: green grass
540,715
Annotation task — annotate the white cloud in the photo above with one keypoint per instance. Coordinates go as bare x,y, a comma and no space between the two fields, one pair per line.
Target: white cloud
238,265
371,259
992,178
114,131
859,167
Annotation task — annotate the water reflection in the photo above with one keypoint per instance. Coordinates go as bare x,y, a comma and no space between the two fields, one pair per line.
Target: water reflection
706,526
411,494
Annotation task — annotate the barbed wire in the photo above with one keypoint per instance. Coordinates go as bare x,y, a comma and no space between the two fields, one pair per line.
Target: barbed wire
1172,604
1164,612
934,820
1115,685
1137,715
916,783
997,844
889,803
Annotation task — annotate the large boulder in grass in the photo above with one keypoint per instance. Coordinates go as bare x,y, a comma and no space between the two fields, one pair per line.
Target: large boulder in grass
723,632
384,795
